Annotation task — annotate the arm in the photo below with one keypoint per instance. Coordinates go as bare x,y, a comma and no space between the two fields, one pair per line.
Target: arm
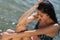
33,17
48,31
26,14
22,20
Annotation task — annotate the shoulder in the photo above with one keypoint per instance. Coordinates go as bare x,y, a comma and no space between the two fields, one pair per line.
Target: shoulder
56,26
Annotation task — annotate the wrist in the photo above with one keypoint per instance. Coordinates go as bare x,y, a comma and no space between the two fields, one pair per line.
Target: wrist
41,1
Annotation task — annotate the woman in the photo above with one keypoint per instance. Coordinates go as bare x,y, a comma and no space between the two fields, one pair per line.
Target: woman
47,26
48,10
46,18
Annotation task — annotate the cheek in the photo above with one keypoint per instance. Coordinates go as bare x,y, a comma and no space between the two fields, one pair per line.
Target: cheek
44,17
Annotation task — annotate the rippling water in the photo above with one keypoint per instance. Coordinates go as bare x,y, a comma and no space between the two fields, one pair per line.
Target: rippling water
11,10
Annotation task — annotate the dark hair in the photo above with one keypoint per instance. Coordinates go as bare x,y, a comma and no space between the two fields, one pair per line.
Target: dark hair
48,9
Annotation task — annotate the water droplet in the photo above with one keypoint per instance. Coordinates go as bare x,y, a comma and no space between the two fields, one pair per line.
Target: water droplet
13,23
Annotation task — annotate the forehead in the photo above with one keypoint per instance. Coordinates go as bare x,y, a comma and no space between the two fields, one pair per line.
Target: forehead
41,13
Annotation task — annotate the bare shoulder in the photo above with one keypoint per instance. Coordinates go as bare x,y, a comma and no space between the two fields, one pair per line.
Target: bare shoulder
56,26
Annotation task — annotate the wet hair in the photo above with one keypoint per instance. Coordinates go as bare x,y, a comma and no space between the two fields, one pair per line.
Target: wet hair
48,9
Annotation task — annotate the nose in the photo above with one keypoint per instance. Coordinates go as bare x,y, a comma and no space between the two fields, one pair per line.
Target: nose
39,17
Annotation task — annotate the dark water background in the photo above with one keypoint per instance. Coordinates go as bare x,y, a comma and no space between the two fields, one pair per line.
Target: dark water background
11,10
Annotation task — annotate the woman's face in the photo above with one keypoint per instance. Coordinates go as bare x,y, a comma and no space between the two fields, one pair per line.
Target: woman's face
42,16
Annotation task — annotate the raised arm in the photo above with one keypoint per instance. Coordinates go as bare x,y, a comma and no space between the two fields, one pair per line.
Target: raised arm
23,19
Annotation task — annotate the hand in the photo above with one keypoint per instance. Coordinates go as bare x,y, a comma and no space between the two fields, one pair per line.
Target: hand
40,1
10,31
21,28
